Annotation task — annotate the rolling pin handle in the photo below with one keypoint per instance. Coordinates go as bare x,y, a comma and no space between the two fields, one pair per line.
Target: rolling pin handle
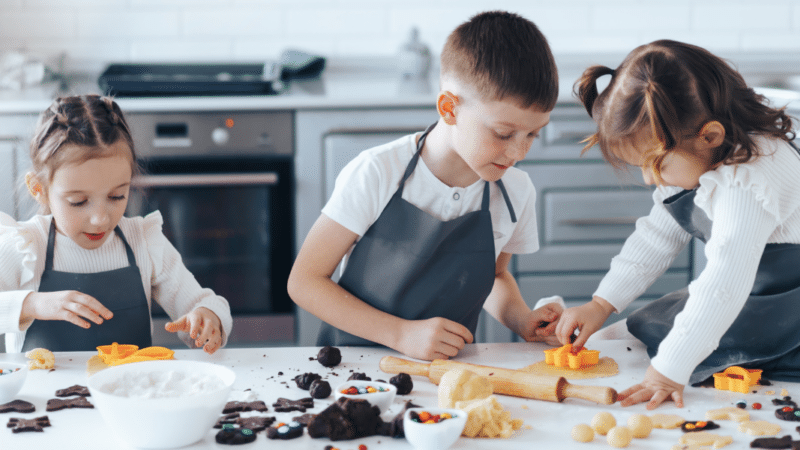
598,394
391,364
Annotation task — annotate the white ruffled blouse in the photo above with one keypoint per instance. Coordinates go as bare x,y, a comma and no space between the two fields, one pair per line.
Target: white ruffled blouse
164,277
751,205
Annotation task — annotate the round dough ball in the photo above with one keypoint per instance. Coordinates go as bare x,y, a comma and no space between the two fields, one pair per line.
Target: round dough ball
640,425
582,433
619,437
602,422
461,385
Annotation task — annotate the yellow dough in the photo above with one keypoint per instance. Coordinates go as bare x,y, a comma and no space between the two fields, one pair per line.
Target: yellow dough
759,428
487,418
705,438
41,358
462,385
582,433
602,422
728,413
640,426
619,437
666,421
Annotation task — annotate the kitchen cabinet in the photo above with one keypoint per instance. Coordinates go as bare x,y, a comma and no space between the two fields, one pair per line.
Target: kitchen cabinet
16,131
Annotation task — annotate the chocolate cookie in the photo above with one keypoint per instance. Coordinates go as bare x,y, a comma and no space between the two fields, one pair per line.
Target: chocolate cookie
320,389
788,413
230,435
329,356
346,419
304,419
77,389
286,405
20,406
55,404
304,381
772,442
786,401
402,381
285,431
20,425
257,405
359,376
255,423
698,425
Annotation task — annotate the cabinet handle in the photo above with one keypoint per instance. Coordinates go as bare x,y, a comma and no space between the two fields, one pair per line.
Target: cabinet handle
600,221
248,179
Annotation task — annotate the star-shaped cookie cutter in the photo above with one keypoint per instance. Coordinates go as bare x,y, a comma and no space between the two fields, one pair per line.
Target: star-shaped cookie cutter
563,357
116,354
737,379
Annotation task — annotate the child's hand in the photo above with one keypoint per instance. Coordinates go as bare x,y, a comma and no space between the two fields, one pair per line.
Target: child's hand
70,306
588,318
436,338
203,326
656,388
541,323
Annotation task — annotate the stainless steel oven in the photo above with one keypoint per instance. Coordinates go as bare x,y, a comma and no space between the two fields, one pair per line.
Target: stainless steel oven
223,182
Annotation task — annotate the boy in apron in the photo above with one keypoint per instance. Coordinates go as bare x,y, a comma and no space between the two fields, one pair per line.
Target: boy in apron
427,224
727,173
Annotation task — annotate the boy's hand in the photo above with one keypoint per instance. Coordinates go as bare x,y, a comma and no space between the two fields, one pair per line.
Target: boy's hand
541,323
202,325
654,390
70,306
436,338
587,318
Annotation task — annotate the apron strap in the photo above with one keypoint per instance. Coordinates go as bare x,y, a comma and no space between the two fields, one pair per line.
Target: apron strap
508,200
51,240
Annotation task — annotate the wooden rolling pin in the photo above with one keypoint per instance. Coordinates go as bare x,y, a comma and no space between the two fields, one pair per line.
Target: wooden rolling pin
505,381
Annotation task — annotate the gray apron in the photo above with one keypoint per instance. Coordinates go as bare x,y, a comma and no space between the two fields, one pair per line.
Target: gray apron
765,335
119,290
414,266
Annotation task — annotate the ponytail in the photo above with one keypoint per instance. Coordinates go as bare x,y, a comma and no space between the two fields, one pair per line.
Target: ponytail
586,86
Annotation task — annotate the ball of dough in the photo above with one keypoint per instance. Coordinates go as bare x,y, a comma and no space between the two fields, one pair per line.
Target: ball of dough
461,385
582,433
602,422
640,425
619,437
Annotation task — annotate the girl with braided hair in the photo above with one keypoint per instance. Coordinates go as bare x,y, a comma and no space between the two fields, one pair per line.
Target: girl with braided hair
726,172
78,274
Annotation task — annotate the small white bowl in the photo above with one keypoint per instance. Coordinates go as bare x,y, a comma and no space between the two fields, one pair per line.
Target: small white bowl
383,400
11,382
161,422
434,436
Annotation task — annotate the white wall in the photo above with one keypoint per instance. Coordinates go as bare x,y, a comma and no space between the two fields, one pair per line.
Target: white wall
206,30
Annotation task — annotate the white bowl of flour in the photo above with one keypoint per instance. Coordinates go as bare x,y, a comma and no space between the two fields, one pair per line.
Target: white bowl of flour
161,404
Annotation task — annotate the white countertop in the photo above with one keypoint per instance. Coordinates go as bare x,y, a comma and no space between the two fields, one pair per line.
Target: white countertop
547,424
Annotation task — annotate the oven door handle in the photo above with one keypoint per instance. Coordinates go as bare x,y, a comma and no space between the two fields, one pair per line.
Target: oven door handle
197,180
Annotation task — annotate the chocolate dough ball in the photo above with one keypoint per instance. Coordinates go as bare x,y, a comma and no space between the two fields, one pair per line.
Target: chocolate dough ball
320,389
402,382
304,381
359,376
329,356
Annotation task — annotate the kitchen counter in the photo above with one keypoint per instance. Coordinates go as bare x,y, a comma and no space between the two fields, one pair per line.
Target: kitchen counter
547,424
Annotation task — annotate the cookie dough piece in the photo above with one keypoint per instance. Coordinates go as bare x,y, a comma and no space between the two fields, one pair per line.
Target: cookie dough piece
55,404
487,418
359,376
18,425
329,356
602,422
619,437
286,405
77,389
40,358
320,389
772,442
666,421
20,406
230,435
235,406
402,382
788,413
462,385
705,438
640,426
582,433
304,381
759,428
728,413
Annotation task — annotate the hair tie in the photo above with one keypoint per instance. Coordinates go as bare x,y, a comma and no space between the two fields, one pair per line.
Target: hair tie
612,72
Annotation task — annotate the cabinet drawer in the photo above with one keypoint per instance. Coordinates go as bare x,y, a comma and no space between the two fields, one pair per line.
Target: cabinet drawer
597,215
580,287
561,138
590,257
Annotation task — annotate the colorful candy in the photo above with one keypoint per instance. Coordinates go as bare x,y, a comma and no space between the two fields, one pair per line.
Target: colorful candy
8,371
426,417
756,405
352,390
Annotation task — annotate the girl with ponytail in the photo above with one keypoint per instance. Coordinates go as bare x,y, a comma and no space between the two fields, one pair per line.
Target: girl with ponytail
726,172
79,275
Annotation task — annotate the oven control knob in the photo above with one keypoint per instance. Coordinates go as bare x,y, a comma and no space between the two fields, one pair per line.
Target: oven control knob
220,136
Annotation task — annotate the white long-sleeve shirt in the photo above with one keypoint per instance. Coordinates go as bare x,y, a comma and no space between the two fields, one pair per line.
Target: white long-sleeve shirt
750,205
164,277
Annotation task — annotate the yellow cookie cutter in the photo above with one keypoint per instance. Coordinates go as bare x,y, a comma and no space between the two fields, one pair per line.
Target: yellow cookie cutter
563,357
737,379
116,354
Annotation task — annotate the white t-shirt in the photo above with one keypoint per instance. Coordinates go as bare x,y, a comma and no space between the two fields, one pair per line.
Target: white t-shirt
164,277
750,205
365,186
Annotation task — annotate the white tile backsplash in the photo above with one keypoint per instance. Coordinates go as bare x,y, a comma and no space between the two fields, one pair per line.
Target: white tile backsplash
182,30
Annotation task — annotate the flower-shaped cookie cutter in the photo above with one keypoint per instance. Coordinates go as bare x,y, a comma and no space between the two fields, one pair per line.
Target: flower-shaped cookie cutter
737,379
564,357
116,354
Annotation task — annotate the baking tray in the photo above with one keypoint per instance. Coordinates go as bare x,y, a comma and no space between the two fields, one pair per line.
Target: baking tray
170,80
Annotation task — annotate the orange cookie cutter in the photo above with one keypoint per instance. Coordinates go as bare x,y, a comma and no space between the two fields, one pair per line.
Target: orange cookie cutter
737,379
116,354
563,357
